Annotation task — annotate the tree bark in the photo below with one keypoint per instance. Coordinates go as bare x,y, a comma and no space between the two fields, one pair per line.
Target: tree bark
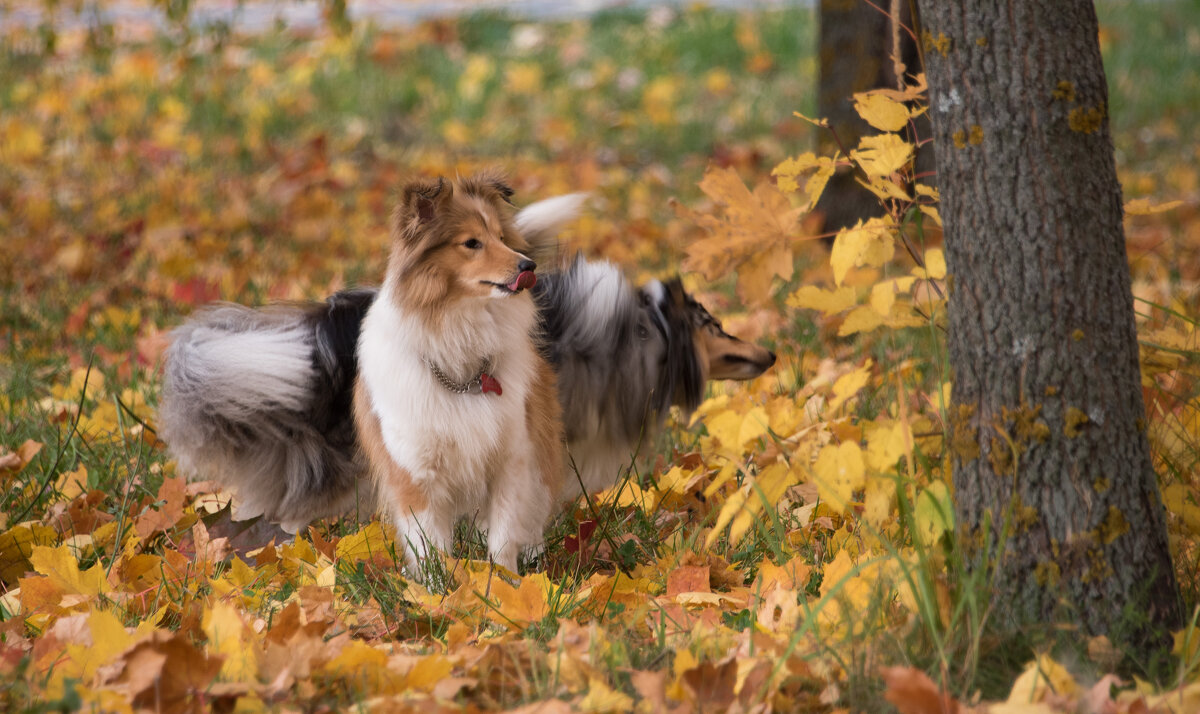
1051,462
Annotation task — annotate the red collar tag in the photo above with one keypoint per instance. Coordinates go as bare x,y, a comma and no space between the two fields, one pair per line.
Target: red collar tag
488,383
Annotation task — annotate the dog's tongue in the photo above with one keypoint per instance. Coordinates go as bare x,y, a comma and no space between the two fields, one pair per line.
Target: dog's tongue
524,281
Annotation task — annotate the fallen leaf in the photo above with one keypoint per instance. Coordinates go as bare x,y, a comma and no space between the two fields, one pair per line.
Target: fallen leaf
913,692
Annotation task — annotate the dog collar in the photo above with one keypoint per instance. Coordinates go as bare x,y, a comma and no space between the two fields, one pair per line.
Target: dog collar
481,383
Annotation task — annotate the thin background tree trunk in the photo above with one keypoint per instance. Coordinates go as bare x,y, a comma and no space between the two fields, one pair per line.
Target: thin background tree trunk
1048,430
855,47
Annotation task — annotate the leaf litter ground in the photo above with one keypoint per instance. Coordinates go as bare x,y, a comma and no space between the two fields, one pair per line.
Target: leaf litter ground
790,546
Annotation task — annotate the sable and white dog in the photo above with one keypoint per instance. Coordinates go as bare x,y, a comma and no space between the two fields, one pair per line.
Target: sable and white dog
455,410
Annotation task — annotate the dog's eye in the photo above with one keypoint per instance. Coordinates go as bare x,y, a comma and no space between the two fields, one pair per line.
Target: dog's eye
473,244
643,333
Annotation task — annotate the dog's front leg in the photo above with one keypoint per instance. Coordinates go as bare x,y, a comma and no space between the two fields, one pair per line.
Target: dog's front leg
422,534
518,507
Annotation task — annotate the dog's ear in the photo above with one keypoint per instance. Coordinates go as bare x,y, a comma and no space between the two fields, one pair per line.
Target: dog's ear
424,199
506,192
683,375
675,292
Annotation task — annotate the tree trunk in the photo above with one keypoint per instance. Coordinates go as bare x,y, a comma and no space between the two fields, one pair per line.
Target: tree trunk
855,55
1051,462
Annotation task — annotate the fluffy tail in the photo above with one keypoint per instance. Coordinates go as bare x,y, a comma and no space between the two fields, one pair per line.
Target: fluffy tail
231,362
541,222
241,389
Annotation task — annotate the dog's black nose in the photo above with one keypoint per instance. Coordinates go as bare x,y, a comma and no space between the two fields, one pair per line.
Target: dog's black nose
526,264
772,356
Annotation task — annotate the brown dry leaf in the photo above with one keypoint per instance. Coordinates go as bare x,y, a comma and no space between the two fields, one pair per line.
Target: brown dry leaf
152,520
688,579
164,673
11,462
913,692
208,549
651,687
712,685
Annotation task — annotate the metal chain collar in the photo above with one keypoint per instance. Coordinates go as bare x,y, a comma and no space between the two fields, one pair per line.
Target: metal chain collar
473,385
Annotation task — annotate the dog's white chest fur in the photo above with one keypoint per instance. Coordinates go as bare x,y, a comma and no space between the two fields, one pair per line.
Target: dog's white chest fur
450,443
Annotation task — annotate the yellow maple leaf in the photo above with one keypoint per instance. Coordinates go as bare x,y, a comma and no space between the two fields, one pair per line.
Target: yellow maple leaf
1041,678
880,111
724,476
886,444
868,243
884,293
763,490
839,579
792,575
21,141
16,547
630,493
227,637
91,647
733,430
456,133
521,606
659,100
428,672
370,540
861,319
478,70
882,154
680,481
601,698
848,385
879,501
786,176
1185,698
828,302
838,472
1177,500
60,566
883,296
884,188
366,668
88,383
740,511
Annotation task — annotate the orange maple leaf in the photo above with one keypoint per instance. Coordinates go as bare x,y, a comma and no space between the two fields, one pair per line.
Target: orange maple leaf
154,519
